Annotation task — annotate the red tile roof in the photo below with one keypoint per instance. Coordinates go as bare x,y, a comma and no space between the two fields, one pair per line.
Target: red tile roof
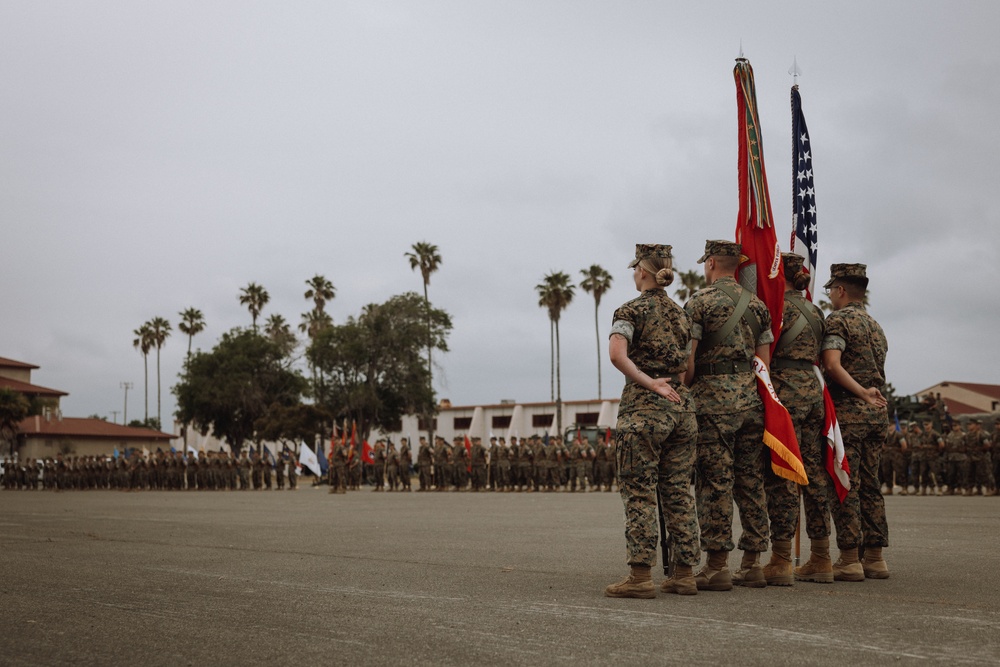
31,389
77,427
959,408
10,363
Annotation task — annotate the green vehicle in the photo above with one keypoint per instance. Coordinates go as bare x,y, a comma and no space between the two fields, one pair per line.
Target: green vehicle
595,435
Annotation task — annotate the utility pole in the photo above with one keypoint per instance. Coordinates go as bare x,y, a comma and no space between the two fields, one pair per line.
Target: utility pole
114,416
126,386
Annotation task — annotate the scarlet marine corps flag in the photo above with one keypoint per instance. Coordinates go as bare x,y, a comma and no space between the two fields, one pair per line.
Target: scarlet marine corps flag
761,269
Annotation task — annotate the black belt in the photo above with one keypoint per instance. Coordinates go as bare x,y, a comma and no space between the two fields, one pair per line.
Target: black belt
800,364
723,368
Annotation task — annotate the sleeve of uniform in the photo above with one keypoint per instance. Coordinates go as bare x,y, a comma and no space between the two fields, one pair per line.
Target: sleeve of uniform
623,323
694,311
836,333
766,335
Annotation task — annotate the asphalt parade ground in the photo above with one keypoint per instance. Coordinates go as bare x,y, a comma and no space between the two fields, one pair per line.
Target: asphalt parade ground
305,577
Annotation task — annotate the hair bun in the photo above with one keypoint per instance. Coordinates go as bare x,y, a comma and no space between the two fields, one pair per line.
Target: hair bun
800,280
664,277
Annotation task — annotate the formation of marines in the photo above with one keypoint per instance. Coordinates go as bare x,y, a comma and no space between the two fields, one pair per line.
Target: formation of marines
161,471
527,464
920,460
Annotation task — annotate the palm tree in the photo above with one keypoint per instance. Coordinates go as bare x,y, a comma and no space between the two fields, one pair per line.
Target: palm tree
426,257
159,331
691,282
596,281
144,343
314,321
280,331
320,291
254,297
555,293
192,323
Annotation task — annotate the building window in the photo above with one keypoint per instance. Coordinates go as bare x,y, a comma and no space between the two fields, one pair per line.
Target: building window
501,421
463,423
395,427
427,424
541,421
587,418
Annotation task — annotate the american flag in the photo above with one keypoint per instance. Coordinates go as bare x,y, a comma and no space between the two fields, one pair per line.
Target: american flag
804,236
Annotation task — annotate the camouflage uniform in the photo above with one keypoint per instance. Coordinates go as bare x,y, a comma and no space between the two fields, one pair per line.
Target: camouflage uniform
424,463
956,460
979,448
798,387
656,438
478,459
405,464
860,519
730,421
893,462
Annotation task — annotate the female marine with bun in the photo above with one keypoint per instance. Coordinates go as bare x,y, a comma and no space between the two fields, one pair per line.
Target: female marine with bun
657,430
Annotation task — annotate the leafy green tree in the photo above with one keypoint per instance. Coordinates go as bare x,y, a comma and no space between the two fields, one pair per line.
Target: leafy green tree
555,293
254,297
192,323
144,343
14,408
425,256
228,389
291,424
596,281
159,331
371,365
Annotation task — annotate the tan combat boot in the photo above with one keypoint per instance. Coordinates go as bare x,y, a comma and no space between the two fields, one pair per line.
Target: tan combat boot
778,571
874,565
638,584
750,574
715,576
682,582
818,568
847,567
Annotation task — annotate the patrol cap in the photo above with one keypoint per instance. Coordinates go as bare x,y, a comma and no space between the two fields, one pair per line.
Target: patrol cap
650,251
854,272
721,248
792,263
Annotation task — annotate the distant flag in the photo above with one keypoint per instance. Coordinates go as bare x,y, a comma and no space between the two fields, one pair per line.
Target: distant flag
895,416
762,270
804,234
308,459
468,451
607,436
268,454
145,452
116,452
173,450
367,453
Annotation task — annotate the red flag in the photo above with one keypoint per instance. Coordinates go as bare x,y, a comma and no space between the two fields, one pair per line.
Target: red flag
333,441
366,453
761,270
468,452
836,459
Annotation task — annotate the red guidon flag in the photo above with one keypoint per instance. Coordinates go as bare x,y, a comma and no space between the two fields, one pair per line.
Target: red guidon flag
836,460
468,453
367,453
761,269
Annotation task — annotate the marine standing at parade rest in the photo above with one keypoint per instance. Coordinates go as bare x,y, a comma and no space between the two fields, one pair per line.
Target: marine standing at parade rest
793,374
854,351
657,431
424,463
729,326
405,463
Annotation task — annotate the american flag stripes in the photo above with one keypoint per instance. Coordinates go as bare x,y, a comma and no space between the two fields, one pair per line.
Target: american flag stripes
804,236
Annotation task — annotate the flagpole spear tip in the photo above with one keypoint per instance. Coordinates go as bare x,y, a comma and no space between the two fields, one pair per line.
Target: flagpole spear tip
795,72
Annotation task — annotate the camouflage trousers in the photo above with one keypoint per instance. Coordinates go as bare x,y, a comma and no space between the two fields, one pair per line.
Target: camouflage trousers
783,494
921,467
425,476
731,467
981,471
956,470
656,454
860,519
894,468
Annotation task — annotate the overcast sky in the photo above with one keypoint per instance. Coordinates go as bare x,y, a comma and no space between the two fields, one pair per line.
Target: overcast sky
157,156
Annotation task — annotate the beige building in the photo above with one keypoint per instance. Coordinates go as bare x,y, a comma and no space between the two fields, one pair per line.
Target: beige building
964,398
48,434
